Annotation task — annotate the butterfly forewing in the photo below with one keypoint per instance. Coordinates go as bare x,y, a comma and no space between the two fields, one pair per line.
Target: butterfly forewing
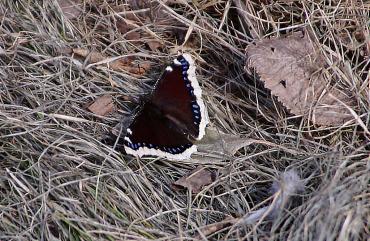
178,95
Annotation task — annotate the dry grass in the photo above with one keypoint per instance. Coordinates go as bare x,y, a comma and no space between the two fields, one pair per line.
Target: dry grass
59,182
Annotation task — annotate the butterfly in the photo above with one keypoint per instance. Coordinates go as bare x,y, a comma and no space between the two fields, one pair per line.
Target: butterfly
172,118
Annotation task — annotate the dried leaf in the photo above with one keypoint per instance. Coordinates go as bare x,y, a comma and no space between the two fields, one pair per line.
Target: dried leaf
102,105
129,31
137,15
290,68
353,36
119,64
214,227
221,144
152,12
93,56
70,8
196,179
154,44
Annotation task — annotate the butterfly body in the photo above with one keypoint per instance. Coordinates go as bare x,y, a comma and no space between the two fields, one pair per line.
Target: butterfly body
173,117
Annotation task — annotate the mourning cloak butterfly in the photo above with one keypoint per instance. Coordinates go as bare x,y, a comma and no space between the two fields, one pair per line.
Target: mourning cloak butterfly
173,118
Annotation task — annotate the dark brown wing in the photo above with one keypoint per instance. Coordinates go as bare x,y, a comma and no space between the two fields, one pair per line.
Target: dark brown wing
174,114
178,96
153,134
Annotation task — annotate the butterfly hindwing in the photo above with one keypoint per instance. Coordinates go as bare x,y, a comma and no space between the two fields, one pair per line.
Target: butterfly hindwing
153,134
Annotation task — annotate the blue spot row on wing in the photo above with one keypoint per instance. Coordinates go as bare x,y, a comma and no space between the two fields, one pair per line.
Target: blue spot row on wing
171,150
194,105
196,113
182,60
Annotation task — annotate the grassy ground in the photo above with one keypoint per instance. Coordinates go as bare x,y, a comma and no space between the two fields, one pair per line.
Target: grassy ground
59,182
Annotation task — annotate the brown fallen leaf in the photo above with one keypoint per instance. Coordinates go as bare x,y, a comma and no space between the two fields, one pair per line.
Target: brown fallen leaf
132,31
129,31
119,64
214,227
141,20
102,105
221,144
154,44
290,68
353,36
71,8
196,179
